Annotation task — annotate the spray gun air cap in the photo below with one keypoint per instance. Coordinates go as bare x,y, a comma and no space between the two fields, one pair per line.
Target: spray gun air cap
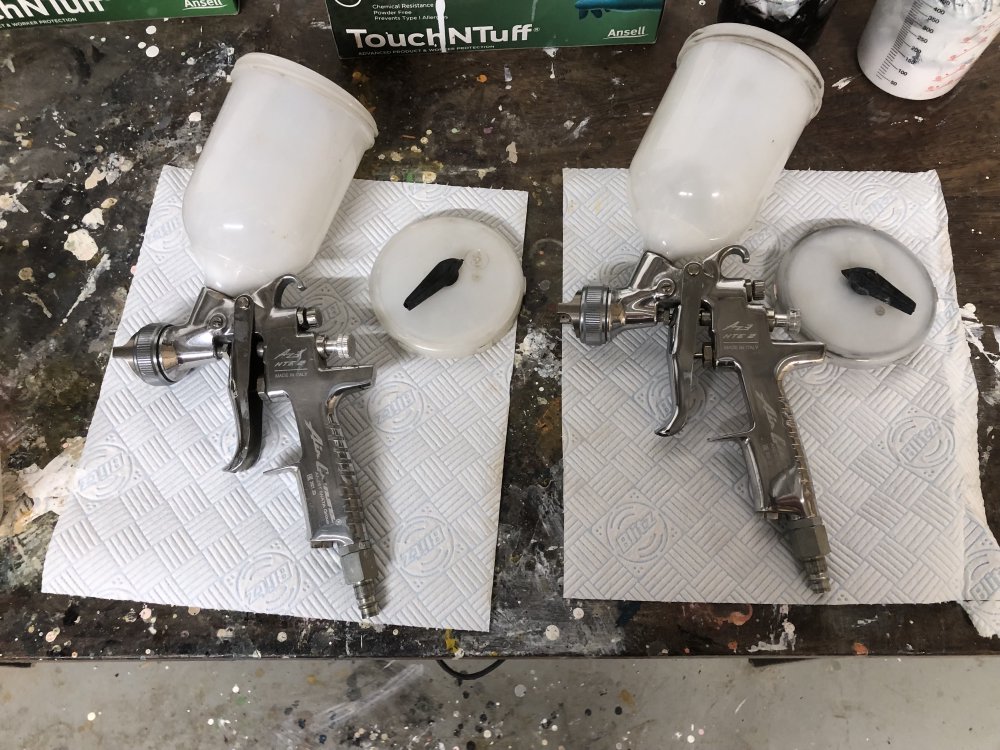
729,119
273,172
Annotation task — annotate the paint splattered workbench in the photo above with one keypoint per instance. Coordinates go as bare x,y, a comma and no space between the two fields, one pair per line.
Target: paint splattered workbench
89,115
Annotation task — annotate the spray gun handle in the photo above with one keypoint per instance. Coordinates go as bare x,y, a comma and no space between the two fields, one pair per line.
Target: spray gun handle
298,365
328,483
779,474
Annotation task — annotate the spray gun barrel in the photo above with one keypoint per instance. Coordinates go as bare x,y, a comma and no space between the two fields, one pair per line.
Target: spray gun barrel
697,295
273,354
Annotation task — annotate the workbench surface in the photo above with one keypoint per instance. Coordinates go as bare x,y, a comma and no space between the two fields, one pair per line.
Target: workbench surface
76,100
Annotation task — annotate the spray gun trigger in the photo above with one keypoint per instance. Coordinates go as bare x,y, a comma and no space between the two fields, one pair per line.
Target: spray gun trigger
244,373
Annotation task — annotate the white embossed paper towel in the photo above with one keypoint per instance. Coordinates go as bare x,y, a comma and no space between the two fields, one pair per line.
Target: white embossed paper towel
892,451
155,519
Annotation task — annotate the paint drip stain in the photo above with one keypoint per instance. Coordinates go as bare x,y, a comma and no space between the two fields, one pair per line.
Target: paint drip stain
450,641
740,618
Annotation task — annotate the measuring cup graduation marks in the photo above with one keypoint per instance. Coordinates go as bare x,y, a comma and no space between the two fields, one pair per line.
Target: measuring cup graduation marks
919,49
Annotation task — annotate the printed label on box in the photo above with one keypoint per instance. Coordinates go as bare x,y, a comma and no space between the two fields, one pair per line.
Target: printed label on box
376,27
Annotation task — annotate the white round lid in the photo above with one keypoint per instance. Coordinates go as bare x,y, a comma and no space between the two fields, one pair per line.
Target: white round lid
858,329
459,319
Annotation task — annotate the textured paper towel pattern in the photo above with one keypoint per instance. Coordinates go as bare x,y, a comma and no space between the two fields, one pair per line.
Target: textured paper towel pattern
155,519
892,451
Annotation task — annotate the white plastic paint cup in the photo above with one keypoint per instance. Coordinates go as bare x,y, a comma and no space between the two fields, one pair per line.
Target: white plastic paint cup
273,172
727,123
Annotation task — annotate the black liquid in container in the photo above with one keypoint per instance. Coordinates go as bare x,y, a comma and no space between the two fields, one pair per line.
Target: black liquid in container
799,21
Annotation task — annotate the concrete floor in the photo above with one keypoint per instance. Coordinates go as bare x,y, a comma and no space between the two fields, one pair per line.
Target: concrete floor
544,703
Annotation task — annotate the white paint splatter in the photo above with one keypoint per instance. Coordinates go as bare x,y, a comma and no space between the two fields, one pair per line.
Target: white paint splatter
539,349
109,203
52,635
579,128
440,9
843,82
91,716
785,640
520,691
552,632
194,117
150,29
10,202
152,51
236,688
512,152
577,613
145,613
740,706
550,51
93,219
46,489
91,285
81,244
282,636
95,177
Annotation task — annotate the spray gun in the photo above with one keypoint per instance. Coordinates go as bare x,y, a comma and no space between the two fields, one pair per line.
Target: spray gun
253,222
694,295
274,354
696,184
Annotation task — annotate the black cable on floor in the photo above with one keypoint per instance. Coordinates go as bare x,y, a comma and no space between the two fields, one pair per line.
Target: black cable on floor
469,676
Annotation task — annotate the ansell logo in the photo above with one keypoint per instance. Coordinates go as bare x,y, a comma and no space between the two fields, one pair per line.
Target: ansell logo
619,33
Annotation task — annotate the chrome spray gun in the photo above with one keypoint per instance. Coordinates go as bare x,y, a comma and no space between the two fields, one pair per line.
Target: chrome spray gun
255,210
696,184
693,296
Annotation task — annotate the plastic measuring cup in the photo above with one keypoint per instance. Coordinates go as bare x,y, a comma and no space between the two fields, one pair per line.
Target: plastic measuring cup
919,49
727,123
273,172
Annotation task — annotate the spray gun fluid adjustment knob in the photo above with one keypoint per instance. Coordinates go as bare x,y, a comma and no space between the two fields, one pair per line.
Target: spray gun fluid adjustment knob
341,347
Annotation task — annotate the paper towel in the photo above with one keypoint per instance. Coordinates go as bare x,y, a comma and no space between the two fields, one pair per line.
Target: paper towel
892,451
155,519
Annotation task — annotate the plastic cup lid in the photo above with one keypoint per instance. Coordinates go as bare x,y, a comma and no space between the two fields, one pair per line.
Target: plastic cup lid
458,319
858,329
